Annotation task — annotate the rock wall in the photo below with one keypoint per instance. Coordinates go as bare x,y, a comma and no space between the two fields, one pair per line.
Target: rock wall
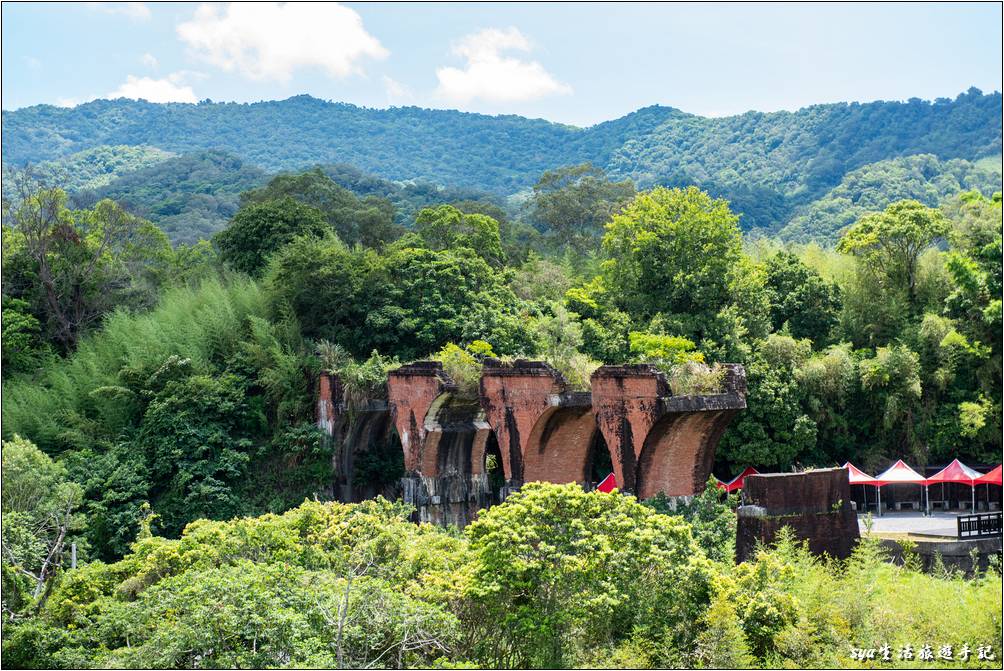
462,453
815,505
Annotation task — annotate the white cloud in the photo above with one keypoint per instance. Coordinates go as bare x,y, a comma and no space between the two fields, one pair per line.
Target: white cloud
170,89
271,40
133,10
67,102
488,75
149,60
395,90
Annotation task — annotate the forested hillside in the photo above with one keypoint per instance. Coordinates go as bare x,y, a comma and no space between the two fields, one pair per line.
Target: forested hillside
166,319
876,185
189,197
766,165
99,166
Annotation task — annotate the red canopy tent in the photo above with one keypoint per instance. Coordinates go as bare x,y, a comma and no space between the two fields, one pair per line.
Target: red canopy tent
737,482
719,483
858,477
608,485
957,472
897,474
991,478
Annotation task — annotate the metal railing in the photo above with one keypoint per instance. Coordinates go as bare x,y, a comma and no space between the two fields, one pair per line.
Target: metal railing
983,525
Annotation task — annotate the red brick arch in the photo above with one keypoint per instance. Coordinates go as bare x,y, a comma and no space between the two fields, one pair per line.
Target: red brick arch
679,452
557,450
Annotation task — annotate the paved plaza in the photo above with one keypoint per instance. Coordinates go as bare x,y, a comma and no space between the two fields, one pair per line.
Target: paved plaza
914,522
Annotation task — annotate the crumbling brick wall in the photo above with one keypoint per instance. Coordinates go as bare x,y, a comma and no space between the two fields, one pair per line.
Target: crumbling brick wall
815,505
543,431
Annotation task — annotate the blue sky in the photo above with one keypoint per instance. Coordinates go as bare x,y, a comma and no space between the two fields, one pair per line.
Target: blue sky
578,64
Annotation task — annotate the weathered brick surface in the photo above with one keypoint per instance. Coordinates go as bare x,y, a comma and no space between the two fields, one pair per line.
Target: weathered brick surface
815,505
657,442
412,391
661,442
627,404
514,398
816,491
329,402
558,448
679,453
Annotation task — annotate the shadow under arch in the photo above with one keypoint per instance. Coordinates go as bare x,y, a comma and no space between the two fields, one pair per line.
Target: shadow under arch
562,446
369,461
679,452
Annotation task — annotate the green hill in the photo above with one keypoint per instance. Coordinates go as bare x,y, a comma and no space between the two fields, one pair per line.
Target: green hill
872,187
190,196
768,164
99,166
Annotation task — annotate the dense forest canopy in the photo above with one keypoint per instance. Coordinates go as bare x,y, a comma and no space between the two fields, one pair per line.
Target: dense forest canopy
887,346
166,317
766,164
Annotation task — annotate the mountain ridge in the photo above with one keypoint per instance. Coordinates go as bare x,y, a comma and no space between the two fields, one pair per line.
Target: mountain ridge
768,164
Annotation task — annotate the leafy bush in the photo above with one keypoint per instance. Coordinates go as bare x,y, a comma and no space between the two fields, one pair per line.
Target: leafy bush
712,518
464,365
696,378
361,382
663,350
558,571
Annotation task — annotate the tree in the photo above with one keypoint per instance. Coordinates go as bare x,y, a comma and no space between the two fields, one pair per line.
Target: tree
672,252
774,430
556,567
322,585
259,230
369,220
572,204
801,299
80,264
892,380
198,437
447,228
430,298
23,346
406,302
890,243
39,512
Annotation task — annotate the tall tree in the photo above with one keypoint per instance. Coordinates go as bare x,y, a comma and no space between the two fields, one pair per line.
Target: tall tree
446,228
38,505
800,298
368,220
79,264
575,202
260,229
673,252
890,243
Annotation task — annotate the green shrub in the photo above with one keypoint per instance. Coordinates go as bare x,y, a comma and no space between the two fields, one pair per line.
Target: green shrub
464,365
696,378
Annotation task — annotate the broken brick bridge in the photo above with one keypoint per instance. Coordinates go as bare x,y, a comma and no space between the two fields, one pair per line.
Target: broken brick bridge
463,452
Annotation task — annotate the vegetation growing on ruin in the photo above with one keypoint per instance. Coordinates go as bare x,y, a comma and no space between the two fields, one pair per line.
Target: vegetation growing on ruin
150,388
